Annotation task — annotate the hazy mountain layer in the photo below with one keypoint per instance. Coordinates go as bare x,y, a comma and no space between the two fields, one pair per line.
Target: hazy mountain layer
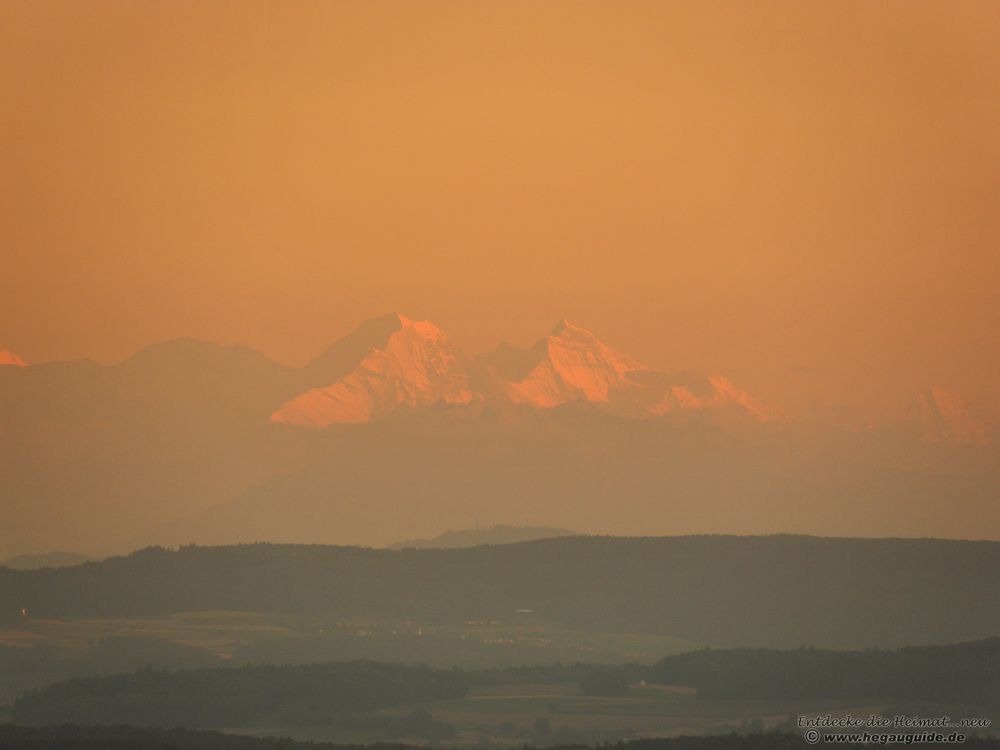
177,444
943,417
44,560
498,534
577,466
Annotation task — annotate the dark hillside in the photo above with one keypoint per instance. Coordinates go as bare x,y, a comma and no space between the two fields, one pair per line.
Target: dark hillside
778,591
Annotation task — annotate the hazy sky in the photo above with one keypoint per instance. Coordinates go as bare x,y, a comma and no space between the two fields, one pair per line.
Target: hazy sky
803,195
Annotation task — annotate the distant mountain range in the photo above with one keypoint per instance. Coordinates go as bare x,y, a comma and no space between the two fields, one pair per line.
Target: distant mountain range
497,534
44,560
412,364
394,433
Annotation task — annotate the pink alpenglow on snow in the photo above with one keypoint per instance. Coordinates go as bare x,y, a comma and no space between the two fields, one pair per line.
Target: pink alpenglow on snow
571,364
11,359
417,365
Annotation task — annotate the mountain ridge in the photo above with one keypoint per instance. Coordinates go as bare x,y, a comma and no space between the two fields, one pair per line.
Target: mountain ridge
9,359
493,534
176,442
406,363
416,365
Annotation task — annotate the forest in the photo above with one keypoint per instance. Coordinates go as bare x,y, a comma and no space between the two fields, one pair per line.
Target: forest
721,591
342,694
245,696
966,673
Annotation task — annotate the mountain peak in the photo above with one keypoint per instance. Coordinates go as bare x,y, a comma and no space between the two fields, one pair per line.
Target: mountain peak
342,356
407,363
571,364
393,361
561,327
11,359
565,329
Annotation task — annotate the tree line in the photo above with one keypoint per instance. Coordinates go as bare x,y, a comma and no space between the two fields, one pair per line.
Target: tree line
241,696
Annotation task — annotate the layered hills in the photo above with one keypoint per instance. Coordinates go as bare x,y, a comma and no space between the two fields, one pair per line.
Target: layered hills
394,433
765,591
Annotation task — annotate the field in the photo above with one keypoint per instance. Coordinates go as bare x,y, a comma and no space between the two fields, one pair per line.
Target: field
509,711
35,651
220,633
539,714
249,636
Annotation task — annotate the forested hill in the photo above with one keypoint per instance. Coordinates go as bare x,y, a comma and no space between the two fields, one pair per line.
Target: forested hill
961,673
259,695
776,591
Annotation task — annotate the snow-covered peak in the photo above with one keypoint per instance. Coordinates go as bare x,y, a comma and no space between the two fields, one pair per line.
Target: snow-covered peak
394,361
417,365
566,329
725,393
571,364
10,359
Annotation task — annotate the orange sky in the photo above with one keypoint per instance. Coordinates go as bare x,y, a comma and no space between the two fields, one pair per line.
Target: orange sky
803,195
